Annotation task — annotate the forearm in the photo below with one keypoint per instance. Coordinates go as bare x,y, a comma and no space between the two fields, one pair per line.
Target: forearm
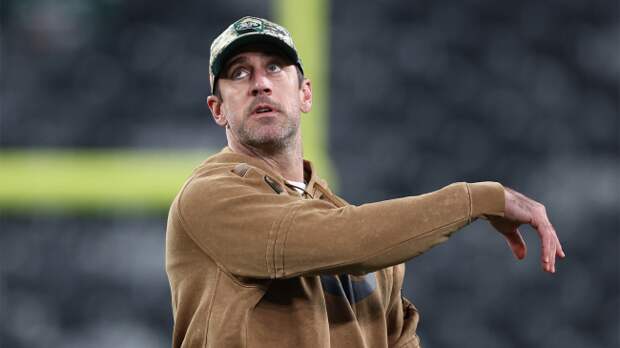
377,235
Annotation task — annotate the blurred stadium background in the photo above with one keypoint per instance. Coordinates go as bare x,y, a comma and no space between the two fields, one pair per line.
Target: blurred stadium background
103,117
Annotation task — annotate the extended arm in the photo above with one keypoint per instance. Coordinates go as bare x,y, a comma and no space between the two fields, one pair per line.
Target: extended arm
253,232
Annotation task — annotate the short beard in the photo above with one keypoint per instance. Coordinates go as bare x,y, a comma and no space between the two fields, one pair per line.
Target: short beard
269,143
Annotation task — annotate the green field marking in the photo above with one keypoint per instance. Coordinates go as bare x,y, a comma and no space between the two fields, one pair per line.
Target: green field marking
78,181
308,22
84,180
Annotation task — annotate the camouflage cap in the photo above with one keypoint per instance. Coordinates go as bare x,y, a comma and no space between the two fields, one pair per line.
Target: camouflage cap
248,30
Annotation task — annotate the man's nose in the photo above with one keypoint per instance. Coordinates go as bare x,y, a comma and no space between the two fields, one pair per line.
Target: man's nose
262,84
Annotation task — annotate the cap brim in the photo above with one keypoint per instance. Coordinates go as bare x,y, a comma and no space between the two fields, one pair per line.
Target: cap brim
249,39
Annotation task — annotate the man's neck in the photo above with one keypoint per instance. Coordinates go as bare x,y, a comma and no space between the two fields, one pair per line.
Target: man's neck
287,161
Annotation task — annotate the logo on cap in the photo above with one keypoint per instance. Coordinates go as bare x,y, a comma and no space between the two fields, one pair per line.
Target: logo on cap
248,24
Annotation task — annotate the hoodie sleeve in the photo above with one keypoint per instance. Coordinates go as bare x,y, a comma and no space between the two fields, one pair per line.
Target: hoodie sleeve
251,230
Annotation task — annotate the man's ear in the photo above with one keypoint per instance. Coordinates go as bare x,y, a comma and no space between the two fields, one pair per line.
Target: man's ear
305,94
215,105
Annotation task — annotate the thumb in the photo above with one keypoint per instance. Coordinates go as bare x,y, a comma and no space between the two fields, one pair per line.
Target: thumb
512,235
516,243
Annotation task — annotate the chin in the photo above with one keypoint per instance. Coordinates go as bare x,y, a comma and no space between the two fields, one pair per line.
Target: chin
269,140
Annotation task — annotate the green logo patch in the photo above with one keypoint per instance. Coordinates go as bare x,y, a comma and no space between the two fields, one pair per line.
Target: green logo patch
247,25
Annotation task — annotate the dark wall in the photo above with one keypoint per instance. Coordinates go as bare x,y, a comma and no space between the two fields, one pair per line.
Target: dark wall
422,94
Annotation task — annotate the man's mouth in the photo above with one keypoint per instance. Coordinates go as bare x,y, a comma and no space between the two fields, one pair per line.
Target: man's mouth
263,108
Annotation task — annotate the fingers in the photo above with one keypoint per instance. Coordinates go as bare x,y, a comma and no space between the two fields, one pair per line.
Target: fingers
548,250
551,247
559,250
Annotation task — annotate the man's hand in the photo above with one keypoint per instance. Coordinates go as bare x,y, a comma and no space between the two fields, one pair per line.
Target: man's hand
520,210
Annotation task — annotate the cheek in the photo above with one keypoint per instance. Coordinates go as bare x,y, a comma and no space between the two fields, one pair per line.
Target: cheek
232,107
291,104
233,96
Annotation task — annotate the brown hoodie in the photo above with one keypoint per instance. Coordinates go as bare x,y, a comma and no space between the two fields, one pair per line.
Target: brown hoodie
253,263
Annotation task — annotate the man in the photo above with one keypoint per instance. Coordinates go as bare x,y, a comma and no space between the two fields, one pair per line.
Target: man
259,251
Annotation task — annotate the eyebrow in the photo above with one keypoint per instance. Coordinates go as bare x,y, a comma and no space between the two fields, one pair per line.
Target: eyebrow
237,60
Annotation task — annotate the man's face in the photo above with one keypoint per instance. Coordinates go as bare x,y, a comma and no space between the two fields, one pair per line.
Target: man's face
261,99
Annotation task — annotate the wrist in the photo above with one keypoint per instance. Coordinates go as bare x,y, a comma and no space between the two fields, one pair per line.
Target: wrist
486,199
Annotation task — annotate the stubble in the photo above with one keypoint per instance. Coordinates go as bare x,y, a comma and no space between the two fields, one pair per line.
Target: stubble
270,134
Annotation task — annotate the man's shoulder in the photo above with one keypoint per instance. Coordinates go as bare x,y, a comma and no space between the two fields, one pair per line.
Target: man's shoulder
227,162
222,174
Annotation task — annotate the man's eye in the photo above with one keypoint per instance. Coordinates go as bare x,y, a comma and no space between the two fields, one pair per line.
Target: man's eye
273,67
238,74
